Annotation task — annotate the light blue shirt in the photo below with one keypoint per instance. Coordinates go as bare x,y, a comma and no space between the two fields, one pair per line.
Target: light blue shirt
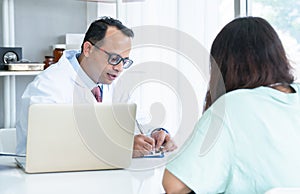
253,144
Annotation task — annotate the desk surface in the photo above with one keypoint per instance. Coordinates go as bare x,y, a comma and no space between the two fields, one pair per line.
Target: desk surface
137,179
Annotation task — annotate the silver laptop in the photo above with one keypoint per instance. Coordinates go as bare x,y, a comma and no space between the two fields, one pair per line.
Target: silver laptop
76,137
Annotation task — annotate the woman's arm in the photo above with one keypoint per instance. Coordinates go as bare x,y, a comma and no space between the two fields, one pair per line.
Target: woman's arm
173,185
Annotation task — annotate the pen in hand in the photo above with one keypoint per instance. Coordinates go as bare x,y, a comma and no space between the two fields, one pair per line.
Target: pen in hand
140,127
148,141
142,131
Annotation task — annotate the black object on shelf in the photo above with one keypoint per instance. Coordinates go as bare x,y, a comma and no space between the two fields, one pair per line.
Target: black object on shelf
9,55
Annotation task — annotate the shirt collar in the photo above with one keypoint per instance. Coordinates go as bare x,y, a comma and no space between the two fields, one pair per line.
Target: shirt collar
72,57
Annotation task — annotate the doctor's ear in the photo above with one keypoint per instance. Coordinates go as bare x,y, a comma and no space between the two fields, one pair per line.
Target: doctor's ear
87,47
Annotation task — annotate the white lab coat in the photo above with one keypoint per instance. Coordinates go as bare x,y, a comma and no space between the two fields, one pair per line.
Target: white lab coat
60,83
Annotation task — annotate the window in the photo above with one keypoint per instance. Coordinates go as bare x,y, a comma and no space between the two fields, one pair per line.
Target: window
284,16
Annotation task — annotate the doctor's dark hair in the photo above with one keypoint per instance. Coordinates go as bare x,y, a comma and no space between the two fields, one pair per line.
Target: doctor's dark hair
97,30
247,53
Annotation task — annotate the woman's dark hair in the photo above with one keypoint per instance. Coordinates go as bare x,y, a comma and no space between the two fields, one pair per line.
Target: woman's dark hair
247,53
97,29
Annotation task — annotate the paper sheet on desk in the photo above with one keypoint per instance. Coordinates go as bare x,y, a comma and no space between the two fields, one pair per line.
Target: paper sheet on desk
144,163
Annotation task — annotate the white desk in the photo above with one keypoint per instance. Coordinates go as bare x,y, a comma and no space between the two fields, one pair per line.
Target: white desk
14,181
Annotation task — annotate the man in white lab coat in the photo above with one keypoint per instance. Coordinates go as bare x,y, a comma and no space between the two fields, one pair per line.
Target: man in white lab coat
104,54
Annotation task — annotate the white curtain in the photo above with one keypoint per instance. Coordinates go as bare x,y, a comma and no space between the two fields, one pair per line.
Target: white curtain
199,21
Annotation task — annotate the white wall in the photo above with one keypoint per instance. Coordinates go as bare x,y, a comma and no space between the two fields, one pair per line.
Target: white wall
39,24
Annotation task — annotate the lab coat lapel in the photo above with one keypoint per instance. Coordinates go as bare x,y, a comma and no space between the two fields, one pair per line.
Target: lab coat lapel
82,94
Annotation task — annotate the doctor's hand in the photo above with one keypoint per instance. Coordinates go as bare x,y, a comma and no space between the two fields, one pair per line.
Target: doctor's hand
142,145
163,138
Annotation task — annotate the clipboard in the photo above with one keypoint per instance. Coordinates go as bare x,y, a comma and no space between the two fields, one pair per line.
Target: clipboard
155,154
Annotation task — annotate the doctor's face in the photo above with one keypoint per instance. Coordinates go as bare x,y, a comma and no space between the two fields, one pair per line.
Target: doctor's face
104,63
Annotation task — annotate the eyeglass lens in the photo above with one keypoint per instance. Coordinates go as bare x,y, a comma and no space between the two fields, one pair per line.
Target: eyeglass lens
115,59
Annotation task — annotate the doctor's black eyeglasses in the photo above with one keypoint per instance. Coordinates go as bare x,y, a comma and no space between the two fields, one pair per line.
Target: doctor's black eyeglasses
114,59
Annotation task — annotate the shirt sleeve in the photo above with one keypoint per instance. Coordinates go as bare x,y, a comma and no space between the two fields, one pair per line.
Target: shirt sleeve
208,170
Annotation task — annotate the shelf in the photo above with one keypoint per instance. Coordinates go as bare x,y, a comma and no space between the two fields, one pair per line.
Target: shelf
5,73
9,91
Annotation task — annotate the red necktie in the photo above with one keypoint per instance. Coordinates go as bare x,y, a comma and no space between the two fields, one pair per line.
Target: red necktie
97,93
